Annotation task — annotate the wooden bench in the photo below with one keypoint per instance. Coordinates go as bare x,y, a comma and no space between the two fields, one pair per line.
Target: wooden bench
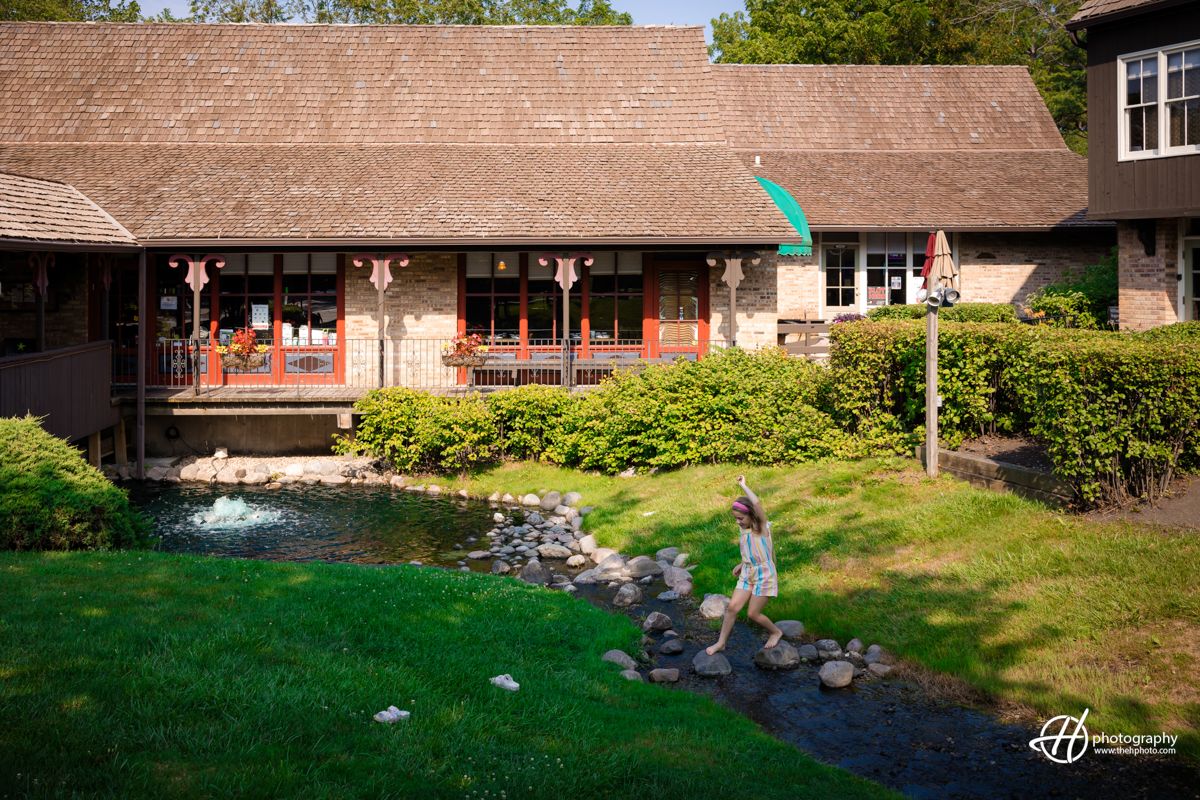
813,341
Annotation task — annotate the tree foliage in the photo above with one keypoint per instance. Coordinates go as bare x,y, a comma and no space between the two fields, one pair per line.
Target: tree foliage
69,11
1027,32
425,12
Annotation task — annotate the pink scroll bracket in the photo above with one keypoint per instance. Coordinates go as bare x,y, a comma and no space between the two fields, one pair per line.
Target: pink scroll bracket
41,262
197,269
566,276
380,266
105,261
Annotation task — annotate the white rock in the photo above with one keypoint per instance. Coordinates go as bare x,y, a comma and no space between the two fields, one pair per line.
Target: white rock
571,498
507,498
155,474
713,606
601,553
228,476
631,675
657,621
627,595
628,473
312,468
433,489
330,468
620,658
673,576
576,561
189,472
329,480
680,560
531,500
587,545
553,551
397,481
666,554
854,646
258,479
836,674
498,518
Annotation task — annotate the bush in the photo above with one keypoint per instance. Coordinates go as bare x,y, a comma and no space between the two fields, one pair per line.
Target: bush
527,418
1088,295
959,312
51,499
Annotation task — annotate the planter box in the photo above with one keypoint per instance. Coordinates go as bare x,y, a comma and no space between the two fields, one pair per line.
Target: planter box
1001,477
464,361
243,363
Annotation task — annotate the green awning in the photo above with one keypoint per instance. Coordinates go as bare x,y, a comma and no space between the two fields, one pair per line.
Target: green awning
791,209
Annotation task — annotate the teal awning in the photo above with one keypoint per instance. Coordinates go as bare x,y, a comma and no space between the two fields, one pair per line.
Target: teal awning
791,209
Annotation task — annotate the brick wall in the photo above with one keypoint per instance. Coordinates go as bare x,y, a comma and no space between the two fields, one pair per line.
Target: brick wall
1148,289
757,303
1007,267
66,325
799,281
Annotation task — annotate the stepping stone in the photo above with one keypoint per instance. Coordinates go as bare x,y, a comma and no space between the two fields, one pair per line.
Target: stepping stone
713,606
836,674
791,628
664,675
671,647
657,621
808,652
712,666
781,656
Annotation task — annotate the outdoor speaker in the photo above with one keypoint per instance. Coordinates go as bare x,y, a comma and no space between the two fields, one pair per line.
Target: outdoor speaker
922,293
934,300
951,297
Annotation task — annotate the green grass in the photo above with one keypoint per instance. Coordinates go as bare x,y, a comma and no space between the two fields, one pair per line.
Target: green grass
135,674
1034,609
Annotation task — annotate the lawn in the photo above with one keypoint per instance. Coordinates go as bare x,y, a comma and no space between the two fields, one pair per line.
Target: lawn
1036,610
138,674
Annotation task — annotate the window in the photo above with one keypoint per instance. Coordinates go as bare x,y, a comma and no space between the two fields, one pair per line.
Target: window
615,297
172,302
309,313
494,295
1160,118
247,296
887,254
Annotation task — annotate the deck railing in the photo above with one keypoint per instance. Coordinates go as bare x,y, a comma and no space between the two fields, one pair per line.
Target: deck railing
415,363
67,386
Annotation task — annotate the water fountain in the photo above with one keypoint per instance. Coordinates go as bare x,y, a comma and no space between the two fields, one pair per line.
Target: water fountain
229,513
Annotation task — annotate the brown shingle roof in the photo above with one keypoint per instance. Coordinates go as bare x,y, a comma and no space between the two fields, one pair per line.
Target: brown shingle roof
1093,10
848,107
83,82
49,211
922,190
447,193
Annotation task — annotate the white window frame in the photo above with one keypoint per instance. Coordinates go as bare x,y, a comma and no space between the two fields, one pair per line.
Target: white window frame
1162,150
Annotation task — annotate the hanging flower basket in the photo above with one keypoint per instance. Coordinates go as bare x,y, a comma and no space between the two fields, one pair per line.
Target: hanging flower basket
247,362
464,360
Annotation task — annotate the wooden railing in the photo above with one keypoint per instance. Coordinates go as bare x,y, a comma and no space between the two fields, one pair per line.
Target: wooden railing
68,387
811,337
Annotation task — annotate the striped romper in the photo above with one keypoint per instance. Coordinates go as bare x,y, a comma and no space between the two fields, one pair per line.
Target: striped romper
759,576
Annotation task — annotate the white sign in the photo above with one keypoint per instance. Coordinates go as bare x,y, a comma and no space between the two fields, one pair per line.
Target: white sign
170,303
896,281
260,316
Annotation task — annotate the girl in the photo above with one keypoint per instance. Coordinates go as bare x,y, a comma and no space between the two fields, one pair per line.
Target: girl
757,571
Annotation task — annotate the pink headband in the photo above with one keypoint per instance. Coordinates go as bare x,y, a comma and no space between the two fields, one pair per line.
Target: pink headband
738,505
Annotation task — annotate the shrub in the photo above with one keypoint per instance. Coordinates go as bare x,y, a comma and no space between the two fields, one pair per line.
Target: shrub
458,435
1117,412
1087,295
1054,301
527,418
51,499
849,316
959,312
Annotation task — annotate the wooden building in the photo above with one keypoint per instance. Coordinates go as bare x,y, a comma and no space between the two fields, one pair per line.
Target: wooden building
1144,149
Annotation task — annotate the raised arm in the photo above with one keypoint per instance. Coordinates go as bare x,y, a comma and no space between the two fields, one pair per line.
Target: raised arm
755,504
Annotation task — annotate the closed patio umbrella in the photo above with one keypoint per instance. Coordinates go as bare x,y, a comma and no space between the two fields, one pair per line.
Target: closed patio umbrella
942,269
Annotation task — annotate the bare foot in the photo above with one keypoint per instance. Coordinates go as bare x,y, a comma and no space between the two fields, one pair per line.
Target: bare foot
712,650
773,639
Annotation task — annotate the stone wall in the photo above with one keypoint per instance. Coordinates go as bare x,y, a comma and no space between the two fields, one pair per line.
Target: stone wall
67,324
757,303
1007,267
1147,287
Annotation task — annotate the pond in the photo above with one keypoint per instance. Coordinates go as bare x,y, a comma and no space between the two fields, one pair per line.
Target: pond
356,524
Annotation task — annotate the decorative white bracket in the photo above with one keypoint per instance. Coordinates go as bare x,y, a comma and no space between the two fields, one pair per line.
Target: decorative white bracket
566,276
380,267
197,275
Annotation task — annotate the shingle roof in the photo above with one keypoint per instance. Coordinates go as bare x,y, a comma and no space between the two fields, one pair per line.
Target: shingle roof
849,107
928,190
1093,10
49,211
83,82
421,192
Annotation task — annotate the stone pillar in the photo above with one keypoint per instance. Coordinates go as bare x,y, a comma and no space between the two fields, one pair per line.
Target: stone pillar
1147,286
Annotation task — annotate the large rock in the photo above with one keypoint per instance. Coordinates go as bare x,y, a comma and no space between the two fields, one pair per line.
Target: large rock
329,479
809,652
330,468
879,669
534,572
533,518
600,553
500,568
666,554
312,468
657,621
551,501
227,476
674,575
258,479
572,499
627,595
576,561
836,674
586,578
791,628
294,470
204,474
671,647
664,675
530,500
620,658
874,658
642,569
631,675
781,656
711,666
713,606
156,474
683,589
188,473
561,511
587,545
553,551
680,560
854,646
479,555
874,649
613,563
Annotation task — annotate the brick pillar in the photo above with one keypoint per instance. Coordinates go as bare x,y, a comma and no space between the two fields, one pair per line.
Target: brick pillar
1148,288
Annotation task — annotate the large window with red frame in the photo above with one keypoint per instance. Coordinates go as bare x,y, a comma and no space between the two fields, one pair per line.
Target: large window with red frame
493,295
247,296
309,309
615,298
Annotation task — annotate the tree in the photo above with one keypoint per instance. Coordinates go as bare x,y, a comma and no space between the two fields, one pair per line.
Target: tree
1027,32
69,11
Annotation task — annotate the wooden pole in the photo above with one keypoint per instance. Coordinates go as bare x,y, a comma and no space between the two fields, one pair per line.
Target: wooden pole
39,321
566,319
378,316
143,333
931,391
733,316
196,331
119,454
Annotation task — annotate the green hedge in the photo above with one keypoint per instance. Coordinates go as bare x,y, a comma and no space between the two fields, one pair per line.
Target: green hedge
959,312
757,407
51,499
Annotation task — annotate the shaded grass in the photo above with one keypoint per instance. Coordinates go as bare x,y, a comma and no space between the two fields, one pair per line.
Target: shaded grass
1032,608
153,675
